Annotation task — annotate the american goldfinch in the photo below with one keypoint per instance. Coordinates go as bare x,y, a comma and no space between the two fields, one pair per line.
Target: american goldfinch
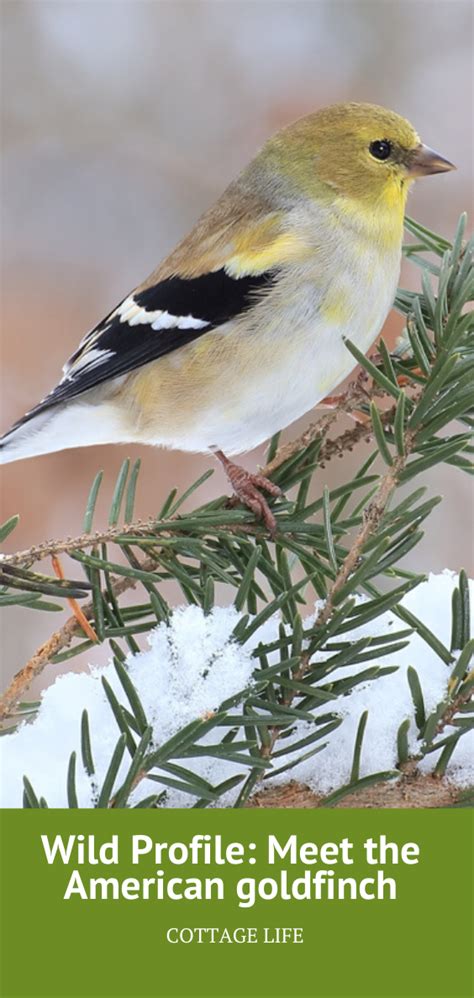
240,330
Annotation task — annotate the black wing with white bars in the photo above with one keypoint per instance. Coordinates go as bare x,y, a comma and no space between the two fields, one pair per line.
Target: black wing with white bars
151,323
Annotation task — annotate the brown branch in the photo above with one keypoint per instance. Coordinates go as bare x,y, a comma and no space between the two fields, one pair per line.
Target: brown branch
372,517
456,703
413,790
52,548
58,641
409,769
337,446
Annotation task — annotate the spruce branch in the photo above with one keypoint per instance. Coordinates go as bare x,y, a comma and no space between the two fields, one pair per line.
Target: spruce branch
340,544
55,644
62,638
355,394
372,517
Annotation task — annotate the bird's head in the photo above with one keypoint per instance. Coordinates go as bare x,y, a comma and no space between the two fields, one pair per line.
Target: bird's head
357,151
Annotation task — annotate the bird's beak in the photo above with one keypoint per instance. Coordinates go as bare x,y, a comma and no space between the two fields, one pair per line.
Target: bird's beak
424,161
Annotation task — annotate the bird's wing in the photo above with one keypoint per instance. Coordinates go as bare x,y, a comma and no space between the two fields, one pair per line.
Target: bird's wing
212,277
228,261
153,322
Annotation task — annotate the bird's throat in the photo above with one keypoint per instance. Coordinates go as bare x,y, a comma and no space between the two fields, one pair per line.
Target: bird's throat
381,220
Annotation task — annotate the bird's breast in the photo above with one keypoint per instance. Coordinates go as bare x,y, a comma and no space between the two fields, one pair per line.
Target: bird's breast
242,382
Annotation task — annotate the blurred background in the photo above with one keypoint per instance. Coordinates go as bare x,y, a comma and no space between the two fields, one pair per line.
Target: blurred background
121,123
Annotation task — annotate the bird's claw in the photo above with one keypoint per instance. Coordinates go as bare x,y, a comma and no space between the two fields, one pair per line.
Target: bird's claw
248,487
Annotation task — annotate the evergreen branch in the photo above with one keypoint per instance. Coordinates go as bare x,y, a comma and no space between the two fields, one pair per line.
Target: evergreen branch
406,440
338,543
372,518
62,638
153,527
58,641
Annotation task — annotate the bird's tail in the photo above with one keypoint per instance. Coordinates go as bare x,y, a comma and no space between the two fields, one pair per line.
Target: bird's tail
59,428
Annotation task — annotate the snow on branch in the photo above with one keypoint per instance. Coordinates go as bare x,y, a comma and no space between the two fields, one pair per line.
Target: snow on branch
194,664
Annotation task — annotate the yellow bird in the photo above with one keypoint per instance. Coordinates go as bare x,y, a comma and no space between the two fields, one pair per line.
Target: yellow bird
240,330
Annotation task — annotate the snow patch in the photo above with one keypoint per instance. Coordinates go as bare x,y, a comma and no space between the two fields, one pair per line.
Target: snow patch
192,665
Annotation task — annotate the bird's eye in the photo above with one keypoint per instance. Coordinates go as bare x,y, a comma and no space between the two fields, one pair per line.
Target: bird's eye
380,149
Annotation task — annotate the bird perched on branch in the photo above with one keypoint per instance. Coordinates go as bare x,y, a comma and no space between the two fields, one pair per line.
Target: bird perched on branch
241,329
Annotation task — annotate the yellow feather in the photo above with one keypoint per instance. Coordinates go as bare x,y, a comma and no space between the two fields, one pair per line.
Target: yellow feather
254,256
336,308
382,222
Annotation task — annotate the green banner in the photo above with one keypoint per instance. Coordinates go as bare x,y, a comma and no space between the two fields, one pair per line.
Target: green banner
252,902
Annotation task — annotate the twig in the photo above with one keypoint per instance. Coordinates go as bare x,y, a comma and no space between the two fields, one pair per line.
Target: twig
372,517
58,641
455,704
52,548
337,446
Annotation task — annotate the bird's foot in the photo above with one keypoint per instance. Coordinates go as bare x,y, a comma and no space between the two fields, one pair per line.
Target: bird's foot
248,487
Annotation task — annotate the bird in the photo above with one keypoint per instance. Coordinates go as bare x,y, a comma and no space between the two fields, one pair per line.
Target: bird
242,328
